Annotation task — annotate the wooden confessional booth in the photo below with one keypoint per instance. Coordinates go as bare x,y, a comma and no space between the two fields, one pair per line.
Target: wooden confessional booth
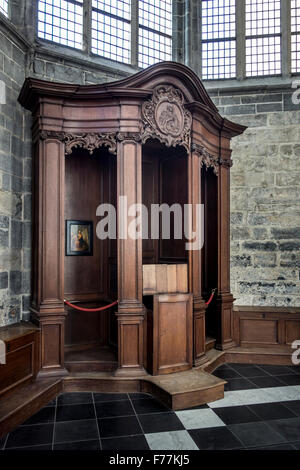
155,137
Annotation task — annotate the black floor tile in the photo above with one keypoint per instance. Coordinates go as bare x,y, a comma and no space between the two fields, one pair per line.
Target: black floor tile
75,412
79,445
125,443
224,367
253,371
74,398
148,405
215,439
139,395
123,426
294,406
238,384
30,435
267,411
239,366
112,409
52,402
267,381
100,397
45,415
256,434
276,370
226,374
72,431
275,447
290,379
289,429
236,415
2,442
161,422
295,369
31,448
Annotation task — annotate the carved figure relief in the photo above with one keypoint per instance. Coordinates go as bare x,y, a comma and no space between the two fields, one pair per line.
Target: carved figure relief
165,118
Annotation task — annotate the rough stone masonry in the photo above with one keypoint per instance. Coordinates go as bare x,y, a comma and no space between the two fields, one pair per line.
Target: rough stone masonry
265,183
265,197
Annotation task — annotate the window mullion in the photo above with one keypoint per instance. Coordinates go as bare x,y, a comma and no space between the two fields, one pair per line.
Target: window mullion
240,40
134,32
87,26
286,37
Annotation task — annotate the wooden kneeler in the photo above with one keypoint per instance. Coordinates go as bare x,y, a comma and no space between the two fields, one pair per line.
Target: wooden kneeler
169,324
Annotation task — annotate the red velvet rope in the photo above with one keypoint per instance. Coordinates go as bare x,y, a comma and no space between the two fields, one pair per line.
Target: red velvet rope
90,309
99,309
211,297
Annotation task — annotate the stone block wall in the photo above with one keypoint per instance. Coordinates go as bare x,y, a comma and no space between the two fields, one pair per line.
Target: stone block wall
15,184
265,196
265,188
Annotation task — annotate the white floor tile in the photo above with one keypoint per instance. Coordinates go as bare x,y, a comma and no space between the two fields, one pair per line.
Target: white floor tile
260,395
197,419
229,400
175,440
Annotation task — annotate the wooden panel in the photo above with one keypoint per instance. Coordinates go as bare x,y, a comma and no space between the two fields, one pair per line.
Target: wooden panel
52,344
84,192
267,326
259,331
149,196
292,328
173,190
175,316
172,336
165,278
21,356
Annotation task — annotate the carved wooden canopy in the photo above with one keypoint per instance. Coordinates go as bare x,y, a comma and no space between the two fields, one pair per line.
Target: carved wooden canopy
167,102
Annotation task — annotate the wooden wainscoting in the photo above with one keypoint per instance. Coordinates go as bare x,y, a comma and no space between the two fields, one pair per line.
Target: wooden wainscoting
22,355
266,326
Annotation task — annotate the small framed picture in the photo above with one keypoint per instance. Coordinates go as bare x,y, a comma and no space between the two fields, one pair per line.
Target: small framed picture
79,238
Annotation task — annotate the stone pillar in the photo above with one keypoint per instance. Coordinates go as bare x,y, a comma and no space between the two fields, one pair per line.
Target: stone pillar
192,47
224,301
130,309
48,234
195,262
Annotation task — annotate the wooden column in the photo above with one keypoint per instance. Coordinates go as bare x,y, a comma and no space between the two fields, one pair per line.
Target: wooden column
195,264
130,310
224,302
48,233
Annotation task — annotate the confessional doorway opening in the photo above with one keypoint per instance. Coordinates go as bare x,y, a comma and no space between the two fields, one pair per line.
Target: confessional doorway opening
209,197
165,261
90,266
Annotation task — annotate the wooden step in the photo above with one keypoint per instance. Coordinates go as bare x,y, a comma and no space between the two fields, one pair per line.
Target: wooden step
178,391
277,355
185,389
27,400
209,343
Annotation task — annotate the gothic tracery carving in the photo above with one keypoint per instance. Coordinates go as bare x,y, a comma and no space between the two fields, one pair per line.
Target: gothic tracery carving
165,118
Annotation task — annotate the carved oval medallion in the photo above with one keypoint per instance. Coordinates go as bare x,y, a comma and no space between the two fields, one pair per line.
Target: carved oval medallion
169,118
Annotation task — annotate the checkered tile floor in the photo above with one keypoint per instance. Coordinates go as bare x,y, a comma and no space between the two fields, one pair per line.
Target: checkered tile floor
261,410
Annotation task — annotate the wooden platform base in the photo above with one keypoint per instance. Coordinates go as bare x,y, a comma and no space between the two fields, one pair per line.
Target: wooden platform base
178,391
277,355
27,400
96,359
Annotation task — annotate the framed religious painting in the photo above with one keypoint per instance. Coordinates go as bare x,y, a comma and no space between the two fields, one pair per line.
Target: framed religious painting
79,238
